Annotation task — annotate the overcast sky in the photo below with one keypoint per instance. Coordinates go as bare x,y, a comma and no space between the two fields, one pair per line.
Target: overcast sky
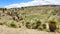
23,3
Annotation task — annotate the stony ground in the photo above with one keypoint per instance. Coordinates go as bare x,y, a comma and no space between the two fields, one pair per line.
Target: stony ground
7,30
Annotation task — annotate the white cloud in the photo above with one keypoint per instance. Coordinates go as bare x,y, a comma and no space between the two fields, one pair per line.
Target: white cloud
33,3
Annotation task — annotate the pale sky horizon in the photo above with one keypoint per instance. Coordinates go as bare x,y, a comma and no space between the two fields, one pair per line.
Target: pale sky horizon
23,3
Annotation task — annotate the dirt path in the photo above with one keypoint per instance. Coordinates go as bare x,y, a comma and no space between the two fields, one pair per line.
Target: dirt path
6,30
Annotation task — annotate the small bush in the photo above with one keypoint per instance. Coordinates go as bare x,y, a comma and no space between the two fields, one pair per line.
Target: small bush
53,21
1,23
52,25
44,26
40,28
13,24
28,25
38,22
19,26
34,26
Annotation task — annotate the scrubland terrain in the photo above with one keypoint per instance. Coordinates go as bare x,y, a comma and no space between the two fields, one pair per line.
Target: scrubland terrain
30,20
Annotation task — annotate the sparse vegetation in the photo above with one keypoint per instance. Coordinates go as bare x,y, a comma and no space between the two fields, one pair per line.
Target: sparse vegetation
38,15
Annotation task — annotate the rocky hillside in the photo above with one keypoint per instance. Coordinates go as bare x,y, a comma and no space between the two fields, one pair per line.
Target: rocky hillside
34,17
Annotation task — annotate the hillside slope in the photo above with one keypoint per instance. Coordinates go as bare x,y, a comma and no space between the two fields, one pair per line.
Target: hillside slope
33,17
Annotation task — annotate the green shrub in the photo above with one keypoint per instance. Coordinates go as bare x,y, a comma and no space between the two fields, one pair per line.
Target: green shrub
44,26
38,22
34,26
53,21
28,25
1,23
40,28
13,24
19,26
52,25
